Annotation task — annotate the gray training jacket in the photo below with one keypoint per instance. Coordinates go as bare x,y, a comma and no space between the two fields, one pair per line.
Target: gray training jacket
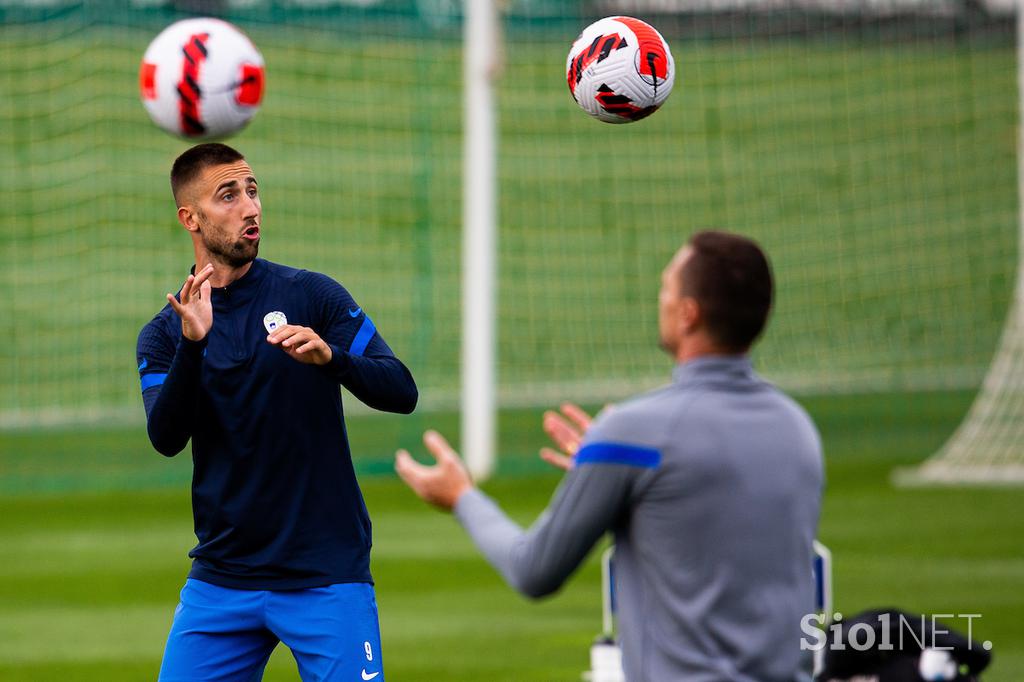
712,488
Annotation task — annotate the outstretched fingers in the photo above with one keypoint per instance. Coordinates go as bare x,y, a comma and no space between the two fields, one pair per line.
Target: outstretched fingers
439,447
564,435
408,468
566,431
197,283
577,415
440,484
202,277
556,459
186,289
175,306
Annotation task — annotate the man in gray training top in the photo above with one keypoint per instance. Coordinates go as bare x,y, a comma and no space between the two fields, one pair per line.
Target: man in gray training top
711,486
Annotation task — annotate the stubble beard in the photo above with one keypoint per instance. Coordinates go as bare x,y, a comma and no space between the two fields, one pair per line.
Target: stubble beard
241,252
234,254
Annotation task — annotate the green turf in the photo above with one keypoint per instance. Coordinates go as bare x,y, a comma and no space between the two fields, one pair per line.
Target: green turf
92,577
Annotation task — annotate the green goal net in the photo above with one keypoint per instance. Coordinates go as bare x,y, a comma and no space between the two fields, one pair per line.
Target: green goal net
872,150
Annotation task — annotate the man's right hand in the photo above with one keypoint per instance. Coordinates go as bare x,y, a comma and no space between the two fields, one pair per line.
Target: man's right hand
441,484
195,307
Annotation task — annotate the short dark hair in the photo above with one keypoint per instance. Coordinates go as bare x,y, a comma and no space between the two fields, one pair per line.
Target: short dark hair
192,162
731,279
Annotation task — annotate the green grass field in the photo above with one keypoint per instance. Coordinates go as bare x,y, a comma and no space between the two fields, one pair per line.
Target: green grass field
91,577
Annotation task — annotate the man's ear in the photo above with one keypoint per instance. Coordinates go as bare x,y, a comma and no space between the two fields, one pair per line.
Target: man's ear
690,317
187,218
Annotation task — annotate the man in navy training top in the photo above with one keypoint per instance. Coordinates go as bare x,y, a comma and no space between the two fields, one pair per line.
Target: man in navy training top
710,485
246,362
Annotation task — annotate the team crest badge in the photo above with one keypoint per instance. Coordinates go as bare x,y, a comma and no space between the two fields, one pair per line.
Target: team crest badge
274,320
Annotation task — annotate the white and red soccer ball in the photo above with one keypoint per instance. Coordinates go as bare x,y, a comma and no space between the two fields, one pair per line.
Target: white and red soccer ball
201,78
620,70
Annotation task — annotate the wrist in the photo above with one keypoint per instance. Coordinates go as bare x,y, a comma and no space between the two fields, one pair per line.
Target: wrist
326,355
459,492
339,362
191,334
190,345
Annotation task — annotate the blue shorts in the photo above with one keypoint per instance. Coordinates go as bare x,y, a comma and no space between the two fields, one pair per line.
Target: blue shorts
226,635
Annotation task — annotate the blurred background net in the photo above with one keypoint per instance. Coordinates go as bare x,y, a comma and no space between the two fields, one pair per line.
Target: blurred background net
869,145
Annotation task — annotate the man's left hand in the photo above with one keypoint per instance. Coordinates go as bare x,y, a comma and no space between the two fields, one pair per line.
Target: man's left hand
566,432
440,485
302,344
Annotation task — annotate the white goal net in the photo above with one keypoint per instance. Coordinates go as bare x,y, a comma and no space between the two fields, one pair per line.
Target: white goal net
988,447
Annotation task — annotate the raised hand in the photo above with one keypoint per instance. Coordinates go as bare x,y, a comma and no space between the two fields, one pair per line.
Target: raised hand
195,307
566,431
442,484
302,344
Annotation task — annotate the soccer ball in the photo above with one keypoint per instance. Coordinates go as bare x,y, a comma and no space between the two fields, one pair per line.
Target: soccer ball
201,78
620,70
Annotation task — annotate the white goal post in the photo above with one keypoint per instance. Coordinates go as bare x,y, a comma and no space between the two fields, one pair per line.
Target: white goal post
479,238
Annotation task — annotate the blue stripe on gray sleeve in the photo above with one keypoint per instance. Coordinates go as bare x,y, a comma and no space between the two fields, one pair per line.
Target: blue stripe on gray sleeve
363,336
618,453
151,380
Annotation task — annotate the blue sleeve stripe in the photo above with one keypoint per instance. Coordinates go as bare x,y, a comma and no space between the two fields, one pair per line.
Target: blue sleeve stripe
618,453
151,380
363,336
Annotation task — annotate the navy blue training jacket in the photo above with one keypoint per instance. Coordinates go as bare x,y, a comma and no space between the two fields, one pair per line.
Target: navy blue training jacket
274,493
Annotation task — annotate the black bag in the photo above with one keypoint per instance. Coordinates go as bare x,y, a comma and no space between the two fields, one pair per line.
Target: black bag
905,633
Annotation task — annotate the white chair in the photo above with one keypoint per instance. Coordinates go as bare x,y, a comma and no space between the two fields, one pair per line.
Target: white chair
606,657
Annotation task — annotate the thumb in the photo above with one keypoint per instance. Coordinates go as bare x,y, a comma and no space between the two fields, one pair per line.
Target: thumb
405,465
440,449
